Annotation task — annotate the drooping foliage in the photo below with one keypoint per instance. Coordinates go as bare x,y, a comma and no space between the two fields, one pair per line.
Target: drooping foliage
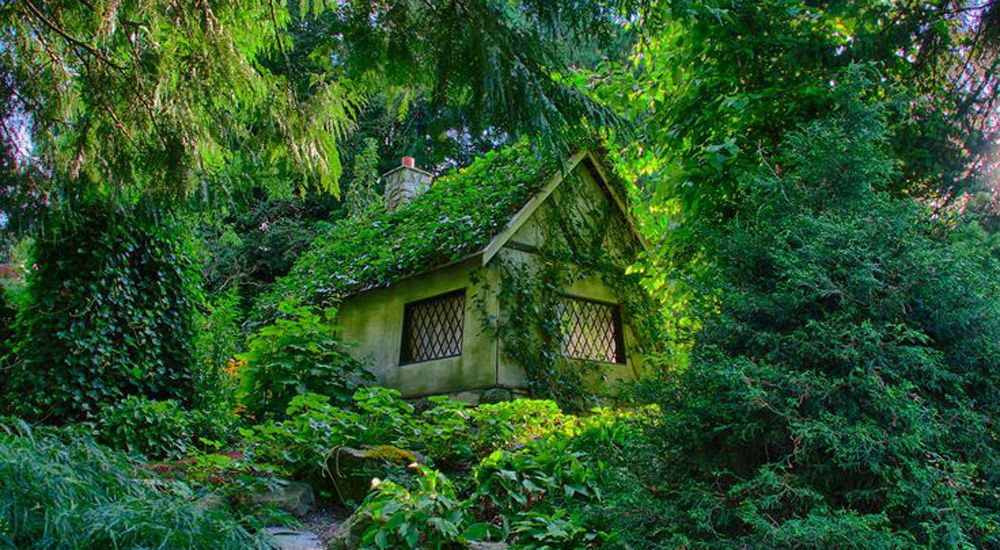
173,97
111,298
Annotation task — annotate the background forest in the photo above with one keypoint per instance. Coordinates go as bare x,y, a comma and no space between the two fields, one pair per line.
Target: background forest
816,183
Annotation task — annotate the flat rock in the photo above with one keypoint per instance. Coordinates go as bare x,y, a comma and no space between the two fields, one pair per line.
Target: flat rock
288,539
496,395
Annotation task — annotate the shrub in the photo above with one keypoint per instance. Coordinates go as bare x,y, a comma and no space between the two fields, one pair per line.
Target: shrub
449,432
556,529
157,429
507,423
301,442
161,429
313,427
109,312
216,346
386,418
296,355
429,516
545,473
68,492
446,433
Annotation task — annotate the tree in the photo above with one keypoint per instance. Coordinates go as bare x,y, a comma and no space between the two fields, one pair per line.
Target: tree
362,197
110,310
844,388
171,97
718,82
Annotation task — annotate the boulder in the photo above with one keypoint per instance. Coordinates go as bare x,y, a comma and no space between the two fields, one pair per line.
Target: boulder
348,535
292,496
351,470
496,395
488,546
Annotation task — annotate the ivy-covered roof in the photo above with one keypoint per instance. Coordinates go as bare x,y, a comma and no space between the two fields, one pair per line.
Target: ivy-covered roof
457,217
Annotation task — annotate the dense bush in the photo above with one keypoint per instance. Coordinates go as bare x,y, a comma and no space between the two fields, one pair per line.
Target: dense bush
8,315
296,355
302,441
429,516
109,312
157,429
448,433
67,492
161,429
847,391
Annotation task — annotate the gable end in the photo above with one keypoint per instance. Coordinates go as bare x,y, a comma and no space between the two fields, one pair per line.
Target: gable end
596,169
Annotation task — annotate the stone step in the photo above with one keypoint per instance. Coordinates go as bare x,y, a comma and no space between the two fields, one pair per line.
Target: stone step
290,539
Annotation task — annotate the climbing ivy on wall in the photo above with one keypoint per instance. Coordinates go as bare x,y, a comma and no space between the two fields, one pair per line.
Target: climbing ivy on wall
582,239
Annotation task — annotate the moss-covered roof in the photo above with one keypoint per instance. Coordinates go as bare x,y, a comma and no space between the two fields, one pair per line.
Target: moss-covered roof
458,216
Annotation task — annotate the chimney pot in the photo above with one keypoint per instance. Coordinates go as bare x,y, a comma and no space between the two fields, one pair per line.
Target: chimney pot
409,162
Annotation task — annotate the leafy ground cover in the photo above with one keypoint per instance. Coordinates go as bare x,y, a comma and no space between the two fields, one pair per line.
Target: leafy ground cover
439,477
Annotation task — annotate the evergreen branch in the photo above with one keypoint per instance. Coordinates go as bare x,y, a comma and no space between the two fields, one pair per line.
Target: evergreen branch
66,36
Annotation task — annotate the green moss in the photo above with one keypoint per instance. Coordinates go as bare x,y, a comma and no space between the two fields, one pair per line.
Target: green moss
391,454
457,217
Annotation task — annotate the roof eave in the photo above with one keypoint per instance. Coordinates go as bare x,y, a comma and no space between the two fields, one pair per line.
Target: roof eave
395,282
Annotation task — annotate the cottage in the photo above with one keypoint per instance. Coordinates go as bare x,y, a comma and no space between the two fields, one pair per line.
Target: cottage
508,273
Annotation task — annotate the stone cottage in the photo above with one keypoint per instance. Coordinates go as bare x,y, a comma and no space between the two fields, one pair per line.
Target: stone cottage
426,293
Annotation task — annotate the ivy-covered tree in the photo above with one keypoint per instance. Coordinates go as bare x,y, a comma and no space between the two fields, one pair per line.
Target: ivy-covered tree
110,312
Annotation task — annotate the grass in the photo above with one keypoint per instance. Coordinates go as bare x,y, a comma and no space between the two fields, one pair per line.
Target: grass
61,490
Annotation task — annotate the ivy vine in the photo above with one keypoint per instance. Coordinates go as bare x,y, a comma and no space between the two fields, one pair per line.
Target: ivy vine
582,239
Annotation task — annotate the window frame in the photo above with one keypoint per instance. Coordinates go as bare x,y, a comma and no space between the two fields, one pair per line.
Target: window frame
407,327
621,353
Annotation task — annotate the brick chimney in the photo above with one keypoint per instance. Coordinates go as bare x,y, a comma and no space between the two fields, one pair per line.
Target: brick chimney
404,182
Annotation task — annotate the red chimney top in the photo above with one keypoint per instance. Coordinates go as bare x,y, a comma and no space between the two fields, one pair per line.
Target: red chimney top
409,162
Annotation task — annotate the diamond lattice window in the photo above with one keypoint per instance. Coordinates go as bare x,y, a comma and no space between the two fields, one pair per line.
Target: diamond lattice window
432,328
592,330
